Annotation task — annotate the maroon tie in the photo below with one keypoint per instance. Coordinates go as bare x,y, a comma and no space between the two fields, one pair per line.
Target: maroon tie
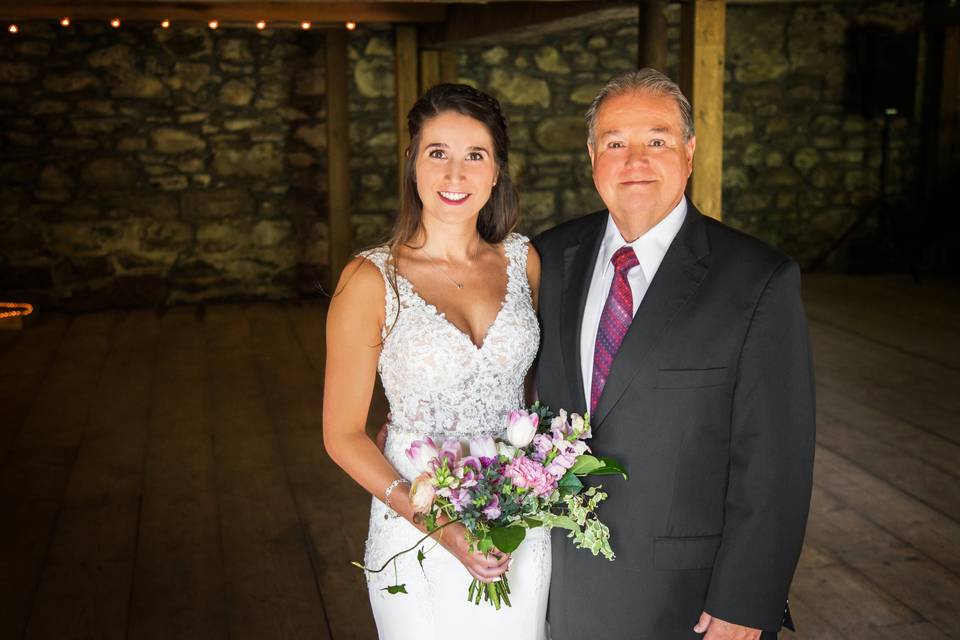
614,321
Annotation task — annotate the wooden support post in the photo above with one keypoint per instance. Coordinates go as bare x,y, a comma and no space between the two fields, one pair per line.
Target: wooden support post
406,93
947,109
429,68
448,65
652,47
338,155
702,66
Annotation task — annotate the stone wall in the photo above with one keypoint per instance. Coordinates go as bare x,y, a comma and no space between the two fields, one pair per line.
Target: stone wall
142,166
145,166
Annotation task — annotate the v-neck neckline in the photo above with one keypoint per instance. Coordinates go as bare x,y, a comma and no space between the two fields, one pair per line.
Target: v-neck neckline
443,316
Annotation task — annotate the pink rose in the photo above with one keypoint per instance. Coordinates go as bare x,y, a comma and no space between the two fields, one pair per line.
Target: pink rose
422,493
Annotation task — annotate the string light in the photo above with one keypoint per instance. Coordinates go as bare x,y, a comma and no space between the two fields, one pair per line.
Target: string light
261,25
351,26
213,24
115,23
13,29
65,22
165,23
305,25
16,309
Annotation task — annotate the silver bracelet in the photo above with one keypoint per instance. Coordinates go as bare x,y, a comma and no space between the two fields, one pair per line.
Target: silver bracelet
391,513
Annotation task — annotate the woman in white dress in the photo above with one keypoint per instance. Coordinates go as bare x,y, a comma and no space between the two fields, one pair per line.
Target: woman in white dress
446,313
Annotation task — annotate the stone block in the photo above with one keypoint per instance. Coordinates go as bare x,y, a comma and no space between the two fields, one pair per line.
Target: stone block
825,178
109,173
234,50
47,107
806,159
139,85
191,76
170,182
549,60
846,156
374,77
175,141
312,82
272,233
519,89
495,55
259,160
538,205
236,93
70,82
219,203
585,93
562,133
115,58
314,136
16,72
735,178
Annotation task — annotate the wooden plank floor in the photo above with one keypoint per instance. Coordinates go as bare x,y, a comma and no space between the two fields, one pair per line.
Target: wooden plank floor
162,475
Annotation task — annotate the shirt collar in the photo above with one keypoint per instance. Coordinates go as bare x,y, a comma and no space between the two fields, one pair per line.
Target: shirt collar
651,247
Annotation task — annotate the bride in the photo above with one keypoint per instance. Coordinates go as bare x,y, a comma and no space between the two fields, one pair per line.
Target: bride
445,312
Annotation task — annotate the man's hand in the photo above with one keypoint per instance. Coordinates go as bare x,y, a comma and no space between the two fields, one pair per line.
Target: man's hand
717,629
381,438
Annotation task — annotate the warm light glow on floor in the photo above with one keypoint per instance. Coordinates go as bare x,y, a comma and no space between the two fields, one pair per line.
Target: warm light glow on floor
15,309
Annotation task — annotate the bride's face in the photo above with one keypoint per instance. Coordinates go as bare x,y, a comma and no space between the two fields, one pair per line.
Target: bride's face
455,167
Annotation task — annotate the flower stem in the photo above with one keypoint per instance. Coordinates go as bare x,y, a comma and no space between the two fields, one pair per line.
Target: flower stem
400,553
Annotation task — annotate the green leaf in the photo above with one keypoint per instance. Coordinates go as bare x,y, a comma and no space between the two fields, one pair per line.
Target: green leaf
421,556
508,539
569,484
564,522
585,465
532,523
610,468
394,589
485,544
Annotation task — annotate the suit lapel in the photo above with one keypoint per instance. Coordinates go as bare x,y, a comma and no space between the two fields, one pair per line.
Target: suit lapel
578,262
683,268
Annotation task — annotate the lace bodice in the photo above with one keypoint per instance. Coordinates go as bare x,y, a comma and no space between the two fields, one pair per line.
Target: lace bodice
440,384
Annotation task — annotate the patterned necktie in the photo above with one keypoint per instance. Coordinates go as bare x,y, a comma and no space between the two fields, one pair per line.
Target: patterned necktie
614,321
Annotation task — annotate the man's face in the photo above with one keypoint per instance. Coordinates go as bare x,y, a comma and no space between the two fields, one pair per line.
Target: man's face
640,160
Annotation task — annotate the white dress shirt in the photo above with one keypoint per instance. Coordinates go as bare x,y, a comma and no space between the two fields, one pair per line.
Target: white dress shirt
650,248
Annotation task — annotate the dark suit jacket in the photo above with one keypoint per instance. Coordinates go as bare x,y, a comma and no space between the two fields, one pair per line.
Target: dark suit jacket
710,404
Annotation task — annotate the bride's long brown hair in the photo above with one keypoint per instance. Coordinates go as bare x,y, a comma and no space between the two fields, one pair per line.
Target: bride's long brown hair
499,215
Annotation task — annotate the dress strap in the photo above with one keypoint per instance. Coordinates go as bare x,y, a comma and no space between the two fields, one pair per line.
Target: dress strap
380,257
515,247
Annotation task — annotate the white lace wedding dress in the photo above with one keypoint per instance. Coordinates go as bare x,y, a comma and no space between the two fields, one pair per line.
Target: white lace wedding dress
440,384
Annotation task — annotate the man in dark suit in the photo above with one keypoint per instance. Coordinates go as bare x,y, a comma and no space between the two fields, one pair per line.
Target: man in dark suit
687,342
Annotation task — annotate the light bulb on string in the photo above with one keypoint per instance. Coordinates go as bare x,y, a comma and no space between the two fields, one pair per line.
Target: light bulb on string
165,23
351,25
65,22
115,23
262,25
13,29
213,24
305,25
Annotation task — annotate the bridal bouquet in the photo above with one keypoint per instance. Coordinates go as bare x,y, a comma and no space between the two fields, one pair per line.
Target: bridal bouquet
499,489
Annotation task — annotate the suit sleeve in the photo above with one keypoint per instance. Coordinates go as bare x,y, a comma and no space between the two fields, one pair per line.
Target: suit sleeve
771,461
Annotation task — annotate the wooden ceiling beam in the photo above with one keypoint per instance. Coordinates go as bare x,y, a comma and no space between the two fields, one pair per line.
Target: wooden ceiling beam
277,12
502,23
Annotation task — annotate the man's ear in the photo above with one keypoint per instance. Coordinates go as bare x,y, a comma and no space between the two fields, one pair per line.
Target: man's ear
590,151
691,145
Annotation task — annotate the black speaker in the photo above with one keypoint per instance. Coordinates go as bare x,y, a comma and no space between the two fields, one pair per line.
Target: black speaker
881,71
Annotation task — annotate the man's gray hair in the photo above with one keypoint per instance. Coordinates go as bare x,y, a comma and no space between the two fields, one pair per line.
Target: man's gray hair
641,81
